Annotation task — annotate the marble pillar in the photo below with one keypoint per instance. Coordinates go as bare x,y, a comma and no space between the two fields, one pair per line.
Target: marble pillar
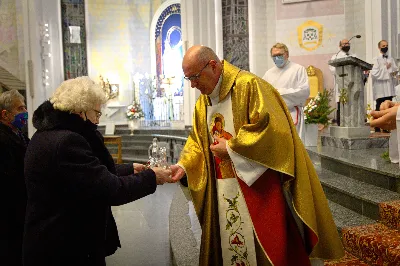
349,75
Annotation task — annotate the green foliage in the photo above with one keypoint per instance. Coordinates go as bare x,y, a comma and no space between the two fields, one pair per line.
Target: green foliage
385,156
318,109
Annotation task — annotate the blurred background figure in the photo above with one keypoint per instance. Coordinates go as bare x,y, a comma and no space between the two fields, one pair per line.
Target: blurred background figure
382,80
291,81
344,51
13,117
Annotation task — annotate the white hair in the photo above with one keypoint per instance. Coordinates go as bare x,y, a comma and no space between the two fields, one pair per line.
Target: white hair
78,95
7,99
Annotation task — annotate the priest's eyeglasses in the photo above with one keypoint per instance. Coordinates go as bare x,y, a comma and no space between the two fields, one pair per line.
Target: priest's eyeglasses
196,76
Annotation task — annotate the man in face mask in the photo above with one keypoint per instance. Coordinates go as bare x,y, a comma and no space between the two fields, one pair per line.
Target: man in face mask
382,79
344,51
291,81
13,142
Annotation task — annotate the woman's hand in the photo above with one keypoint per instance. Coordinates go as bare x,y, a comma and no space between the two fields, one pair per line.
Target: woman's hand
162,175
137,167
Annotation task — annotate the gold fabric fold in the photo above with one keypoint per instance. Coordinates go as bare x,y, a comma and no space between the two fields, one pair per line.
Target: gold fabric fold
265,134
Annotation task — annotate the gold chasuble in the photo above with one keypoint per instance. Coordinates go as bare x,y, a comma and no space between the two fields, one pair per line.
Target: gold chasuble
263,133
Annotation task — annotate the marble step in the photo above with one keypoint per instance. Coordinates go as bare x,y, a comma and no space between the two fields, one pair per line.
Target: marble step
355,195
345,217
347,260
132,143
376,244
149,137
172,132
127,151
143,159
364,165
389,213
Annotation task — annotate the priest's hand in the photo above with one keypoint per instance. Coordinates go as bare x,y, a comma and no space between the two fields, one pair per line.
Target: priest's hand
137,167
385,119
219,149
177,172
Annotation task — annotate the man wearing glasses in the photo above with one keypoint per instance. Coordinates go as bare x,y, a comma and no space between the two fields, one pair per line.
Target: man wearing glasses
249,191
291,81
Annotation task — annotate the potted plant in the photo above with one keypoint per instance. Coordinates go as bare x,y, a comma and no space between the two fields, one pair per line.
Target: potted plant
134,113
316,114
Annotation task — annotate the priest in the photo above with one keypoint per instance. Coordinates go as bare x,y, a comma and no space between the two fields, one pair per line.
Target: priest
261,202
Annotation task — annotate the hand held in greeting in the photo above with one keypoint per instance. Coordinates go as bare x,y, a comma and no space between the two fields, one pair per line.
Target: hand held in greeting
162,175
137,167
177,172
386,105
385,119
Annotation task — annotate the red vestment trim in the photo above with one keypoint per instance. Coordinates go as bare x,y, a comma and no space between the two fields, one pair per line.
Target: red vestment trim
273,222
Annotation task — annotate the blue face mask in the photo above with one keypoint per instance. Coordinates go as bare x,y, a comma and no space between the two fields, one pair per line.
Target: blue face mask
20,120
279,60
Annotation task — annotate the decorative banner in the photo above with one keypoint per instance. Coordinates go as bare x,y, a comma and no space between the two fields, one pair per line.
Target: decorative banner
310,35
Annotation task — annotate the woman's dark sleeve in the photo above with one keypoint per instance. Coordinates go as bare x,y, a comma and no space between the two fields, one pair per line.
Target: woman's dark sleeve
124,169
85,178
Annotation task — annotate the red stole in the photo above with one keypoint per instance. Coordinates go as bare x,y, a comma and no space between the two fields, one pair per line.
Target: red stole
273,222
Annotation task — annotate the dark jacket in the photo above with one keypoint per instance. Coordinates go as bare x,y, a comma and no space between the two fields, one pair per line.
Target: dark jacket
12,195
71,182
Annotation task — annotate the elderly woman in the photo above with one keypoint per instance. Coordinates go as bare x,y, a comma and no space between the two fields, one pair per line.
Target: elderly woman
72,181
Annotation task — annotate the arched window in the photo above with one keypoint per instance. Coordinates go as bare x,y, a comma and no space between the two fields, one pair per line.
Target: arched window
167,53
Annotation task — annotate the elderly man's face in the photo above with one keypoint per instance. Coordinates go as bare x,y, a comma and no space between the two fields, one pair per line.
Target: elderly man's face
18,107
201,76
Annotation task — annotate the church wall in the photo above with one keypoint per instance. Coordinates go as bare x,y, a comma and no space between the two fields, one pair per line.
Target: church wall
11,38
259,35
338,19
118,33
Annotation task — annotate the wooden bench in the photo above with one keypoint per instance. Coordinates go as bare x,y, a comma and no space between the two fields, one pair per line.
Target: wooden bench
115,140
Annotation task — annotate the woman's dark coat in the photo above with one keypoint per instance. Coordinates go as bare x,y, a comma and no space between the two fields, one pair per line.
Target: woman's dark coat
71,183
12,195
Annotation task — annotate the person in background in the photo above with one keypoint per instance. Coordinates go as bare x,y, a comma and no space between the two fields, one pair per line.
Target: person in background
382,80
344,51
72,181
13,117
250,191
291,81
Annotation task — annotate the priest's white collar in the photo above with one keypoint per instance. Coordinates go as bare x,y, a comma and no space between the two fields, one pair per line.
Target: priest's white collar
214,95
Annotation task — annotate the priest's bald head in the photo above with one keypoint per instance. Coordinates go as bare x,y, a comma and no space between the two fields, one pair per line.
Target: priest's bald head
202,68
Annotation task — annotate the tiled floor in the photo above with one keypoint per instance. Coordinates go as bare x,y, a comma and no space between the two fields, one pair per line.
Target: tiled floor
143,230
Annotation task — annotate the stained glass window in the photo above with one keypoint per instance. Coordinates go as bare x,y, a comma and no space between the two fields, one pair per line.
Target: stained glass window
74,38
235,19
